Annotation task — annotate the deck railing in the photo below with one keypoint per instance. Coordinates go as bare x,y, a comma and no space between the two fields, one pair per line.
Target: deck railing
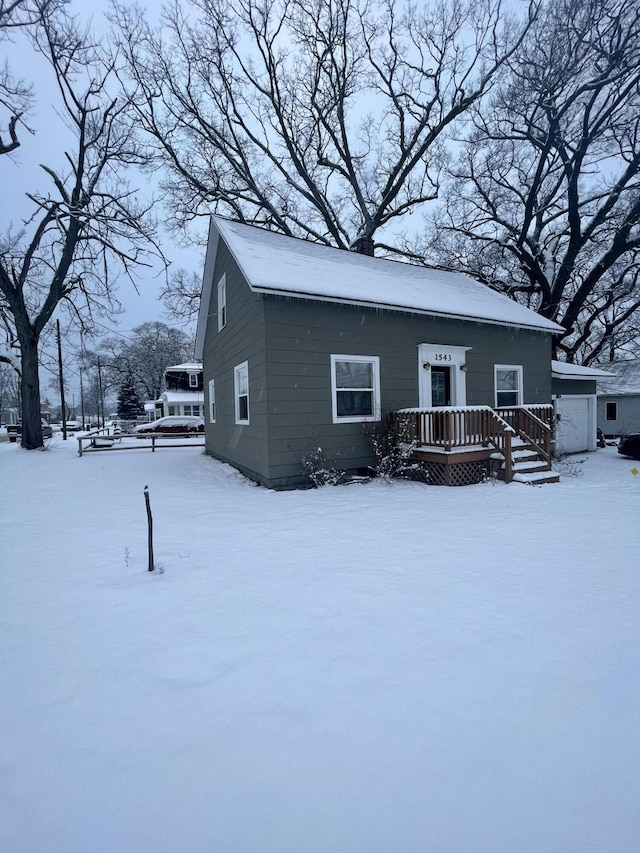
452,428
456,428
534,423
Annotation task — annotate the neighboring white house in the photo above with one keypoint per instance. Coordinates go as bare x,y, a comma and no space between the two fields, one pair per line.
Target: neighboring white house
575,406
183,394
619,398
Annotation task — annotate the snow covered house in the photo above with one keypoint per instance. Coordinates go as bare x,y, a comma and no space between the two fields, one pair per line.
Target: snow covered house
183,394
307,349
619,398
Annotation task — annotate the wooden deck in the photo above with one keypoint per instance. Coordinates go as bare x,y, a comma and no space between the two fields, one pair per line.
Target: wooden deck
468,435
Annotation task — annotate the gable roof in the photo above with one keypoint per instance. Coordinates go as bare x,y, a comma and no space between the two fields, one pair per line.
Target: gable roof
279,265
624,379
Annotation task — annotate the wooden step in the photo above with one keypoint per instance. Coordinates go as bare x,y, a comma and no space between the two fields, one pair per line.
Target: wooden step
537,478
529,467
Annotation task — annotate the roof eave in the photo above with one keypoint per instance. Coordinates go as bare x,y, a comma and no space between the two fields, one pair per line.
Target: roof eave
314,297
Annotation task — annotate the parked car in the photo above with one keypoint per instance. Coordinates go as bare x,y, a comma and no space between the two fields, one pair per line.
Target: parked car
171,424
74,426
629,445
14,430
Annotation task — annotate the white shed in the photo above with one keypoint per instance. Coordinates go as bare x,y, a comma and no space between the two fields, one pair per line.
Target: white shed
575,403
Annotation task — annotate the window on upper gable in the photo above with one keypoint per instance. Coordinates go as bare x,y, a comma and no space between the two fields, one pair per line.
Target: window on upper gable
193,380
222,303
355,388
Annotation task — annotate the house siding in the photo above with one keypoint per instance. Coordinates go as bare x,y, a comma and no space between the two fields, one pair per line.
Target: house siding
628,420
242,339
573,386
300,337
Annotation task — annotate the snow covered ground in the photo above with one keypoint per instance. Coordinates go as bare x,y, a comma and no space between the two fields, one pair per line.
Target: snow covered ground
364,669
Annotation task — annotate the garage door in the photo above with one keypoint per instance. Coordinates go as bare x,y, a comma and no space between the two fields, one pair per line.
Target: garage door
575,424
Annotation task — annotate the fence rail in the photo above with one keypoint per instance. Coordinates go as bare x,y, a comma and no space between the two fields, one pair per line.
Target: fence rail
102,440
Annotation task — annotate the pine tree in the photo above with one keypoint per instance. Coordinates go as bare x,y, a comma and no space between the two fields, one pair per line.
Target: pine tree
129,403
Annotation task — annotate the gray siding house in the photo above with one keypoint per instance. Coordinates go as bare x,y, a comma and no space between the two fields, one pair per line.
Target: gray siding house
619,398
306,347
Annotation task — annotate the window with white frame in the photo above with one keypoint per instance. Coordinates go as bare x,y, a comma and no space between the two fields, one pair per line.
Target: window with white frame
241,386
355,388
187,410
222,303
212,401
193,380
508,381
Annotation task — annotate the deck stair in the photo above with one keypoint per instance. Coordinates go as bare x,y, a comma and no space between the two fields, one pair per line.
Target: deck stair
527,465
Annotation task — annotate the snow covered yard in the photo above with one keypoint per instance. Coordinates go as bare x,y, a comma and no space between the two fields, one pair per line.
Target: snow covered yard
364,669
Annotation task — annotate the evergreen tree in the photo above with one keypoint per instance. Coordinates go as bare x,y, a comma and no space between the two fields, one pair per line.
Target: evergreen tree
129,403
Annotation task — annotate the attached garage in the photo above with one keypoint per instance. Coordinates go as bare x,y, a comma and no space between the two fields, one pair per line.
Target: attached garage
575,404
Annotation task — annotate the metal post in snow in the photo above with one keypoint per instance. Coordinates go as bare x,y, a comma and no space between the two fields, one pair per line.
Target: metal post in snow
150,523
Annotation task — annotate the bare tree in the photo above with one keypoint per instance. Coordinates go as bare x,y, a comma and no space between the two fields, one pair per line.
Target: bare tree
88,225
145,354
545,199
325,119
16,94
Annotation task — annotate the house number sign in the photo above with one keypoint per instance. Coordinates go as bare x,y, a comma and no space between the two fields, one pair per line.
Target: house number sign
442,356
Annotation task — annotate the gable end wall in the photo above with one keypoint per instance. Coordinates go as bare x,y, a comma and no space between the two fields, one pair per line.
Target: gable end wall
242,339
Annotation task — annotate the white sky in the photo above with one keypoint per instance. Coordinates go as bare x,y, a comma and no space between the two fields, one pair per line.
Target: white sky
20,172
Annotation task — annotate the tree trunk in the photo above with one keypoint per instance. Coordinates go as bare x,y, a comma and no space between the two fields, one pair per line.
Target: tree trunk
30,391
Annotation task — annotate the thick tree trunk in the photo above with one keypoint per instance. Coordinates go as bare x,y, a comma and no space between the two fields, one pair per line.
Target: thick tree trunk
30,391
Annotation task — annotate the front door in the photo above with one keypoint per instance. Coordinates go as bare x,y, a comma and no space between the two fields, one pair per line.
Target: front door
440,386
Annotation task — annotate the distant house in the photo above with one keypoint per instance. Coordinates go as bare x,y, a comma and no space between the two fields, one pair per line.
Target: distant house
575,406
183,394
619,398
307,349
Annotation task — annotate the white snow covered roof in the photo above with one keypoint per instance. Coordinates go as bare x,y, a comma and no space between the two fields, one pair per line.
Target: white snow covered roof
275,264
192,366
624,379
182,396
562,370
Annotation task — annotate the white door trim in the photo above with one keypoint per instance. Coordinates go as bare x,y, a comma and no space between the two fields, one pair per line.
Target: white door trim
441,355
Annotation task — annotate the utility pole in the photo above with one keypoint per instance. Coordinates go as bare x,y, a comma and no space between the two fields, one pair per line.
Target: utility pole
101,400
81,399
63,407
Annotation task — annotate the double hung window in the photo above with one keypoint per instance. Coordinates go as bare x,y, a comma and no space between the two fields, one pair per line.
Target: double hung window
212,401
241,386
508,378
355,387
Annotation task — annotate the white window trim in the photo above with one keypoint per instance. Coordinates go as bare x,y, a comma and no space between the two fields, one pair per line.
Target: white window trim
237,370
193,380
222,302
519,371
212,401
353,419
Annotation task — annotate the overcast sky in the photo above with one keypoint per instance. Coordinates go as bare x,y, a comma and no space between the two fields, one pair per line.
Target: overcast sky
21,172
